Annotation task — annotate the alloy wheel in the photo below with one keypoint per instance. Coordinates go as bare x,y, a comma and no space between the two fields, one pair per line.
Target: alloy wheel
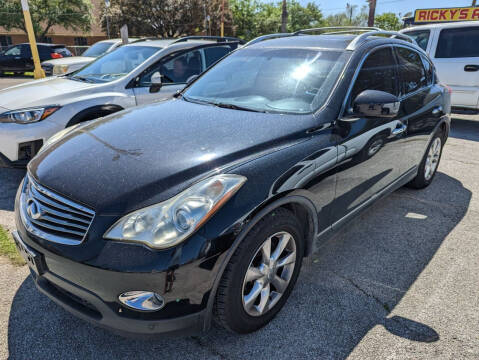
269,273
432,159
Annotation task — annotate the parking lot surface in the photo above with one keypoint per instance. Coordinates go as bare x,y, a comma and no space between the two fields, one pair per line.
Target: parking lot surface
399,282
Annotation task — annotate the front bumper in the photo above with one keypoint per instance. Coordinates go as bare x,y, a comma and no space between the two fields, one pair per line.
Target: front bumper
13,135
91,307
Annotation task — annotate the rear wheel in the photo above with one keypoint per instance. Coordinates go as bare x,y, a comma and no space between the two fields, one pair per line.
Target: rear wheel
429,164
261,274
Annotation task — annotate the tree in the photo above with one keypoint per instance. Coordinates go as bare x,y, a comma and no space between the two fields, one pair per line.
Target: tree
349,18
166,18
388,21
70,14
303,17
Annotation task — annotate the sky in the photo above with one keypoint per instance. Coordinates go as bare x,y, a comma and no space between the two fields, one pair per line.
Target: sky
395,6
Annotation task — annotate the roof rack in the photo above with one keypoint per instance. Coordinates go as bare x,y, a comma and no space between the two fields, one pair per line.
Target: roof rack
326,30
343,29
358,40
201,37
267,37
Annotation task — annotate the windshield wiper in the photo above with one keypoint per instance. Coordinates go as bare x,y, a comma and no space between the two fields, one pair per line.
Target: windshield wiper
236,107
81,78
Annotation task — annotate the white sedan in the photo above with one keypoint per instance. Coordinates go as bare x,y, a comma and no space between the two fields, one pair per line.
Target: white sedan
134,74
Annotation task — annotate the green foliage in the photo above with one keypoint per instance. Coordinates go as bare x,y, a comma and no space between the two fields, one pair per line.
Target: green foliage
388,21
350,17
70,14
8,249
252,18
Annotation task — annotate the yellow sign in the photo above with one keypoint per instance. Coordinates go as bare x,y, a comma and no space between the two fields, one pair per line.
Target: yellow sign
448,14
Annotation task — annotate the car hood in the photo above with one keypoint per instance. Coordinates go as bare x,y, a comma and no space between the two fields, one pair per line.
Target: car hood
50,91
145,155
72,60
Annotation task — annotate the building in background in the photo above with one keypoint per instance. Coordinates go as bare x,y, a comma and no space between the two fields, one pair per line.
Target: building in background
60,35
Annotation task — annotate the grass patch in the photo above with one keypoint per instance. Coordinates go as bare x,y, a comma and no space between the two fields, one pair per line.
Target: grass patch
8,248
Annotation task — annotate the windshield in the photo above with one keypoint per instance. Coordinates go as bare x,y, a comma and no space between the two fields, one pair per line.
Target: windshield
97,49
115,64
295,81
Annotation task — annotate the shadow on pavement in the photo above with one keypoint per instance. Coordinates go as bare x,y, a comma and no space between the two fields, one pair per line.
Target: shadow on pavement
351,285
9,181
465,129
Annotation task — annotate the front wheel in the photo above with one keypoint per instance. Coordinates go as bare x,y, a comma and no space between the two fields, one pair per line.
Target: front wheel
261,273
429,164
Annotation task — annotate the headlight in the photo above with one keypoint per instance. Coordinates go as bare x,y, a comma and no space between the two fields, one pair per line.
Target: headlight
60,69
168,223
26,116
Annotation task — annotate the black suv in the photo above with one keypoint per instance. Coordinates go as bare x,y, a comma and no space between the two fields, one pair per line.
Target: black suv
160,218
18,58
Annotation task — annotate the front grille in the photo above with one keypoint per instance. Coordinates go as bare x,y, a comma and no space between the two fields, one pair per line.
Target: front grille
52,217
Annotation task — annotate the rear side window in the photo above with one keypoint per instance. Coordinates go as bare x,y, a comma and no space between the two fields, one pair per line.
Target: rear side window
213,54
421,37
458,43
430,75
411,71
377,73
62,51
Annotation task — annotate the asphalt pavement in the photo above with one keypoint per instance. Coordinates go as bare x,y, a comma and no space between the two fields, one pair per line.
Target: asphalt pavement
399,282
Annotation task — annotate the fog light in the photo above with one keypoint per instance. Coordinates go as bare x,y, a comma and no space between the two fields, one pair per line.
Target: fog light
142,300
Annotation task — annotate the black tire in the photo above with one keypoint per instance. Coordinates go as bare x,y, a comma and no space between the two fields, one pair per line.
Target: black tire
421,181
229,309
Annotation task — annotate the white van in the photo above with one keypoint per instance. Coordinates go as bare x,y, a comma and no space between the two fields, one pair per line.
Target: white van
454,49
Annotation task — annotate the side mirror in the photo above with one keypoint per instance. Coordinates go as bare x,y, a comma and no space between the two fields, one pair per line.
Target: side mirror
156,83
378,104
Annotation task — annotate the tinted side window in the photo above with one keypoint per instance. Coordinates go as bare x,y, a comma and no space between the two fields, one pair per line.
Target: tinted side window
377,73
458,43
13,51
429,70
213,54
411,71
421,37
175,69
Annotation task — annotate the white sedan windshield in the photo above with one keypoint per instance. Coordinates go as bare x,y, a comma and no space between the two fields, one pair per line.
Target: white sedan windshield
282,80
115,64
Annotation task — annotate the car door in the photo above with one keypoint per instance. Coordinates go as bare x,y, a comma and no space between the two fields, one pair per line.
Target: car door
10,58
456,57
175,70
369,148
421,104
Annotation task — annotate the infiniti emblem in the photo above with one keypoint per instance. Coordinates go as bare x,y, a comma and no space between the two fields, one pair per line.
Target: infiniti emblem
34,210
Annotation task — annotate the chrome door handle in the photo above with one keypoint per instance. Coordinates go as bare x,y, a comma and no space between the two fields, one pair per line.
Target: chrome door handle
437,111
399,130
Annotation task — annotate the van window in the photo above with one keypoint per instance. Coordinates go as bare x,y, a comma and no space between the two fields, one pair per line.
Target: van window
458,43
421,37
377,73
411,70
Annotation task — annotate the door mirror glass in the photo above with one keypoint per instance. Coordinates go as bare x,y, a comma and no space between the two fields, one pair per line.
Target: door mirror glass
375,103
156,82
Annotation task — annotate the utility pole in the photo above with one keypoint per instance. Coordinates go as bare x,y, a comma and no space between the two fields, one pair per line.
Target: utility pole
372,12
222,29
38,72
107,7
284,17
